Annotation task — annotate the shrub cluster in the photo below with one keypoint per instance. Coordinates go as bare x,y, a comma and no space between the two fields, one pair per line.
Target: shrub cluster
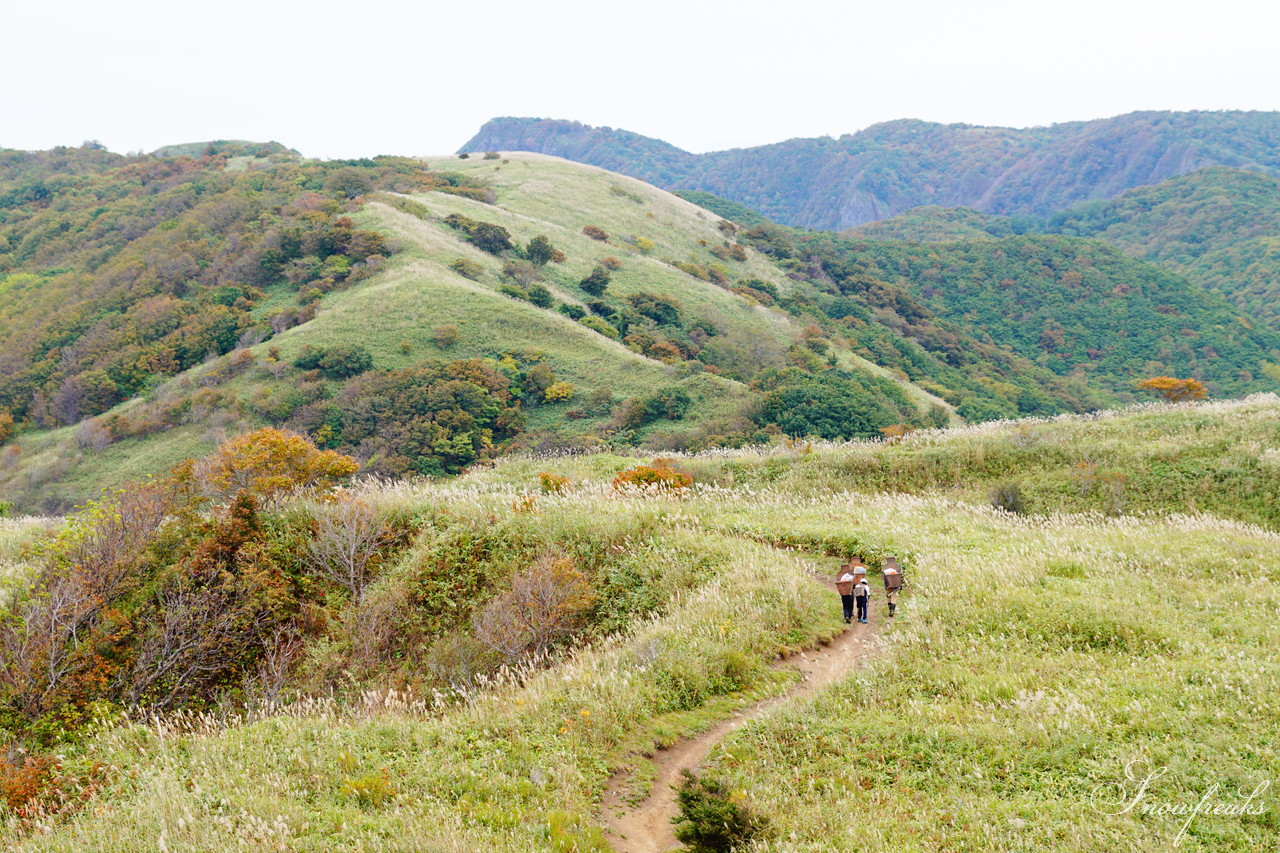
657,477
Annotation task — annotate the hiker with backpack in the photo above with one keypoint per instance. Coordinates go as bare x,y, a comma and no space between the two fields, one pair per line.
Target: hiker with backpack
861,594
844,586
892,574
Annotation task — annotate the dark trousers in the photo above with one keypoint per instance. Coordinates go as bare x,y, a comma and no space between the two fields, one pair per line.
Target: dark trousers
847,601
862,608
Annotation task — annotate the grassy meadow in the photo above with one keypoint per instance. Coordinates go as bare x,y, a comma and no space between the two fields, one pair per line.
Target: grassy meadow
1035,660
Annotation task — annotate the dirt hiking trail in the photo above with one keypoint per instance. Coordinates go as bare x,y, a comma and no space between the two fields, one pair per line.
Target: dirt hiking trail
647,827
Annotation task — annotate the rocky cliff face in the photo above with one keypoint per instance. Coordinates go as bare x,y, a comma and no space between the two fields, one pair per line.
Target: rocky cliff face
894,166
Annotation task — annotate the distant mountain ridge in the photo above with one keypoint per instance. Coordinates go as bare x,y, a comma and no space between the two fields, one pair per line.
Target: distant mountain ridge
888,168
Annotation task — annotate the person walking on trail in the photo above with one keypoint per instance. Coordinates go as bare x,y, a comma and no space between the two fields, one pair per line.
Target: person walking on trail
844,586
892,574
861,594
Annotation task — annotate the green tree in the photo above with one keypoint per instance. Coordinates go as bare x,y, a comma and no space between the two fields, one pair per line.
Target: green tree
490,238
540,251
596,282
349,183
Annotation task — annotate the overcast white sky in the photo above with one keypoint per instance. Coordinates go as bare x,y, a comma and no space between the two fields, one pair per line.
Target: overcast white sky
383,77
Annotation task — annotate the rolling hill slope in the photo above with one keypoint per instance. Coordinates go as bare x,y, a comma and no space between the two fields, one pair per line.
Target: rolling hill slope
425,316
661,356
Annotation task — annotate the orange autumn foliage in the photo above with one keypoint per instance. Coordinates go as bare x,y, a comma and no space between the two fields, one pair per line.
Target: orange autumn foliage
1174,390
270,462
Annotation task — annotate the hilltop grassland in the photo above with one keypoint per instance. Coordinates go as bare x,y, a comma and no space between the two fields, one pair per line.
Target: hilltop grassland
1033,659
1217,457
396,317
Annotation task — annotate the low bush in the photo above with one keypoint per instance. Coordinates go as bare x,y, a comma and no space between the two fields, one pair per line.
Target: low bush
657,477
539,295
445,336
1009,497
596,282
713,819
558,392
595,324
335,362
467,268
553,484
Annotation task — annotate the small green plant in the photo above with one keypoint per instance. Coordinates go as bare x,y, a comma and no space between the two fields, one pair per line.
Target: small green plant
1059,568
570,834
492,155
714,819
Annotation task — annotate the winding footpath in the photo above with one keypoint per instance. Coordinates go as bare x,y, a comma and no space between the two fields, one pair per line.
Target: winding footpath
647,827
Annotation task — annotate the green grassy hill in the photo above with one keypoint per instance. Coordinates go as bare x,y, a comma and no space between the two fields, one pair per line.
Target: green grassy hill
1124,624
118,374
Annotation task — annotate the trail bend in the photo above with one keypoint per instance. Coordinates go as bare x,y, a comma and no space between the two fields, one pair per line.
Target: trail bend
647,827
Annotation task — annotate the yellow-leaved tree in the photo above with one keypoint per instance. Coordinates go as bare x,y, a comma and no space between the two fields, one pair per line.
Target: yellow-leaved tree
1174,390
270,462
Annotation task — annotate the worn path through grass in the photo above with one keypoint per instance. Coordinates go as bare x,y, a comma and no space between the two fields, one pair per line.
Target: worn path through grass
647,827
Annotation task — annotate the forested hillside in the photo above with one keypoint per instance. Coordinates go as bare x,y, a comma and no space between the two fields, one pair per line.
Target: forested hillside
1079,308
117,272
889,168
1218,227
